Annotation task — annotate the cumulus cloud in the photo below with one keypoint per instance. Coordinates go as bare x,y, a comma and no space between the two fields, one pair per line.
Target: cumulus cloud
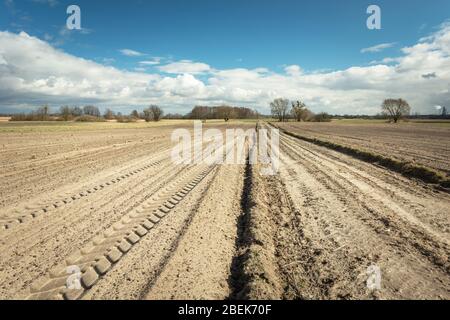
293,70
36,72
33,72
378,47
2,60
185,85
185,66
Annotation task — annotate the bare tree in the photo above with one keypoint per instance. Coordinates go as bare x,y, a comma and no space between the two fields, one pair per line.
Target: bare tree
66,112
77,111
279,108
109,114
157,112
134,114
42,113
299,111
395,108
91,111
148,116
153,113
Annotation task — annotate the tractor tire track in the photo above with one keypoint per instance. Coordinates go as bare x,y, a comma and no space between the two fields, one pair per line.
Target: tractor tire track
98,257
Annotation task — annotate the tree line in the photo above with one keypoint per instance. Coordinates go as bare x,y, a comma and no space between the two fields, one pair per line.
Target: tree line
221,112
152,113
283,110
89,114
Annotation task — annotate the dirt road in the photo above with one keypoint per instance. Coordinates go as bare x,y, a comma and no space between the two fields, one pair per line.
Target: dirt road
111,205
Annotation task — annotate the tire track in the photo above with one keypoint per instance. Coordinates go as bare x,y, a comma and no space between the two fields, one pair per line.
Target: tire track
105,251
174,245
63,216
386,181
345,176
77,157
36,248
151,202
34,210
422,238
160,253
47,177
41,248
395,188
350,225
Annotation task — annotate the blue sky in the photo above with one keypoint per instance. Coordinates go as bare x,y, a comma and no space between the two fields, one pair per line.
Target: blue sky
317,36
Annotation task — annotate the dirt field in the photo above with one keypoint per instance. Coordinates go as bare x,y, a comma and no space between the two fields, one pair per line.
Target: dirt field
422,143
343,215
106,198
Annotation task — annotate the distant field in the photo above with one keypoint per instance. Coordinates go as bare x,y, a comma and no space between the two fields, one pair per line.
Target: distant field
421,142
434,122
46,126
57,126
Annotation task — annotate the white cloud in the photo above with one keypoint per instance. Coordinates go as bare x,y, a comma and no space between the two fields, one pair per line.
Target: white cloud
185,66
48,37
108,60
37,72
130,53
293,70
154,61
32,72
378,48
185,85
2,60
384,61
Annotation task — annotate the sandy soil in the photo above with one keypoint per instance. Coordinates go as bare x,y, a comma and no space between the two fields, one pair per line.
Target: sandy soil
339,216
111,203
420,143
